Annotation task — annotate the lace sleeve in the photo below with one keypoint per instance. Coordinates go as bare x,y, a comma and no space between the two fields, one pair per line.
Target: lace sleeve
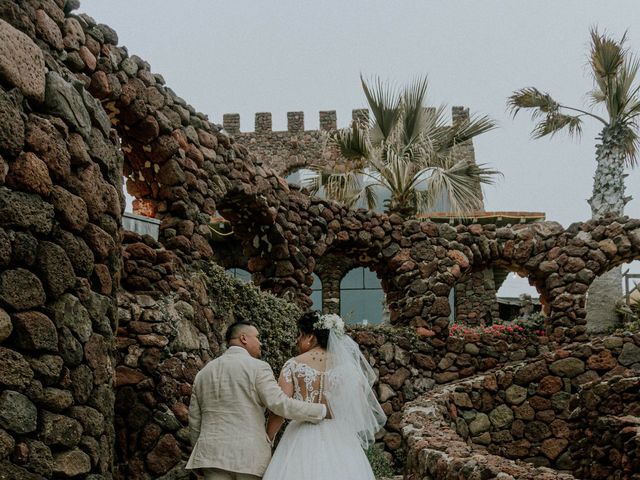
286,373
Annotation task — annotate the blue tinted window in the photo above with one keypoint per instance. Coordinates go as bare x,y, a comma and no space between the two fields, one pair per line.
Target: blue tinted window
240,274
361,297
316,293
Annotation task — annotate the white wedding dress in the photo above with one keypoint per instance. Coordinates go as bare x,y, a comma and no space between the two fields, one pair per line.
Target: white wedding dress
333,448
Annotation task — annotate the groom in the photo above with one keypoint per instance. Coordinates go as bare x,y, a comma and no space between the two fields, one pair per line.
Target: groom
226,414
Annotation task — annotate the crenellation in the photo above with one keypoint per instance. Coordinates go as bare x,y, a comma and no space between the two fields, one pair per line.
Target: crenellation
231,123
328,120
295,122
295,148
361,114
459,114
263,123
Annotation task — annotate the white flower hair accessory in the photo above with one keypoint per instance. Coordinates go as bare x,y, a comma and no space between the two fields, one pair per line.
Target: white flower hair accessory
330,321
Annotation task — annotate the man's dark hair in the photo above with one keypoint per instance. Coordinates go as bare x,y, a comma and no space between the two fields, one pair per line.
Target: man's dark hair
234,328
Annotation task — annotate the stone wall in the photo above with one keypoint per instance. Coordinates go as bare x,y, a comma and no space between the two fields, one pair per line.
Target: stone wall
475,300
184,168
524,412
297,148
606,428
171,321
60,260
411,362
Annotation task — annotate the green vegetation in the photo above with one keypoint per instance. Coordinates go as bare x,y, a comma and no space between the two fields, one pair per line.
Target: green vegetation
613,70
380,463
274,317
407,150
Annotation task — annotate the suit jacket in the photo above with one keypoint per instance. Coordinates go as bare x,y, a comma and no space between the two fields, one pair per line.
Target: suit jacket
226,413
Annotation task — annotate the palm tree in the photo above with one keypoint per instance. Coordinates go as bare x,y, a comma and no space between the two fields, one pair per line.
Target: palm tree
614,71
407,150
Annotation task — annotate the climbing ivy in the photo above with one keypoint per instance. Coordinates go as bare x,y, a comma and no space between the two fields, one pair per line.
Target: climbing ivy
274,317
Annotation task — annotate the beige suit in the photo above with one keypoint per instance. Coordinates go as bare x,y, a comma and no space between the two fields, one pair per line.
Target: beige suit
226,414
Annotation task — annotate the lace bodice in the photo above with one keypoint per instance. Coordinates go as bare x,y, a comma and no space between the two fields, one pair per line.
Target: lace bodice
308,383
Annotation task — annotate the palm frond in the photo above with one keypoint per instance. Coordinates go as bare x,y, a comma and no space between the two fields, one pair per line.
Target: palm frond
353,143
606,55
554,123
631,144
532,98
467,130
384,102
460,185
413,110
343,187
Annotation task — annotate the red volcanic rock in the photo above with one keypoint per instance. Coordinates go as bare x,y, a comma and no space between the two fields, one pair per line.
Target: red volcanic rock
165,455
30,174
458,257
602,361
128,376
48,30
49,144
21,62
550,385
70,209
425,332
35,331
141,251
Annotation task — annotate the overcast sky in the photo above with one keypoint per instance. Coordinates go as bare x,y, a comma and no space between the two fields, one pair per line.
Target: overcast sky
294,55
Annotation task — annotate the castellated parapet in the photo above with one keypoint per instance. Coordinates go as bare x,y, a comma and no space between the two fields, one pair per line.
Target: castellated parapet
289,150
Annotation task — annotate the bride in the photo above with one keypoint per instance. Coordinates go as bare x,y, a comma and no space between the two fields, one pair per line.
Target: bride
330,370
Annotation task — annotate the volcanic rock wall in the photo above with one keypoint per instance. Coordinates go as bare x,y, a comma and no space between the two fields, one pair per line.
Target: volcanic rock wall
77,113
60,260
525,412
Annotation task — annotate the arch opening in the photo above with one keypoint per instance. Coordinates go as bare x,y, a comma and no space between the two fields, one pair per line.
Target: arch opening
362,298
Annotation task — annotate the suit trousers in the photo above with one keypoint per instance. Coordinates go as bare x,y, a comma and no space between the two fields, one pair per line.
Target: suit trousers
217,474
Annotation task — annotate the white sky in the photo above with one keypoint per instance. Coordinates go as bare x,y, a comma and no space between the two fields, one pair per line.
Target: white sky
246,56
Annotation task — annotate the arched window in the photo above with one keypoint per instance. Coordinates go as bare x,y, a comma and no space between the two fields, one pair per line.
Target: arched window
316,293
300,177
362,299
240,274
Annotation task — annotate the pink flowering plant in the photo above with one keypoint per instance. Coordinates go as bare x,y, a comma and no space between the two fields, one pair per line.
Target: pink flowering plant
517,329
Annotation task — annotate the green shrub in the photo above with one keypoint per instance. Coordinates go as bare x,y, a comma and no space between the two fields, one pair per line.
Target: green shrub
379,462
274,317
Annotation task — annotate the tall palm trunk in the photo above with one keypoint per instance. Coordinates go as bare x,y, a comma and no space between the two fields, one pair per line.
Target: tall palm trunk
607,197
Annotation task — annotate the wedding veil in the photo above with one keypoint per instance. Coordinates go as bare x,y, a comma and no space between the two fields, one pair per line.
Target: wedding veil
348,389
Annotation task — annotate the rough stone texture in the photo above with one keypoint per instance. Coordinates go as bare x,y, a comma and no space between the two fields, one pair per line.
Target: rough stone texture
549,433
48,311
21,62
72,463
15,371
6,327
11,127
35,331
30,174
22,210
55,269
17,413
183,169
606,426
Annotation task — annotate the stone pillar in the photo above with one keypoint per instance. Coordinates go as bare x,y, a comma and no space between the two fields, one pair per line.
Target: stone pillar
263,122
295,122
231,122
328,120
360,114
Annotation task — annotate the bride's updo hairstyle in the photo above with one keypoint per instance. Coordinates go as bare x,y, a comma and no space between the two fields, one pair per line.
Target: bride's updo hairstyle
306,325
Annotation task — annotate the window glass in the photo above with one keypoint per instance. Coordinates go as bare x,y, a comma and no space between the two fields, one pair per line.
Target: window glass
362,299
240,274
316,293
